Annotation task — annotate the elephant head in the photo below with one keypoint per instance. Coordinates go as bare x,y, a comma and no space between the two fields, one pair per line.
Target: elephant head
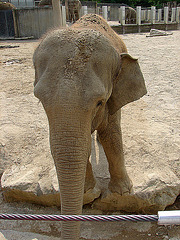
81,80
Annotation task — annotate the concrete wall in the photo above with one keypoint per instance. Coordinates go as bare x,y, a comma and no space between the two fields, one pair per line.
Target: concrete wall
91,7
33,21
113,10
133,28
22,3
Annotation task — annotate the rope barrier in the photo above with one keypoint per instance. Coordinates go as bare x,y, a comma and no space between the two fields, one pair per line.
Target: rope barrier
133,218
163,217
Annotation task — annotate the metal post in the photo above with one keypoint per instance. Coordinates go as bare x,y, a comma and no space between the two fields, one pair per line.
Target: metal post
122,15
98,10
138,15
63,16
166,13
177,14
159,15
153,14
138,18
149,15
104,12
85,10
109,13
173,15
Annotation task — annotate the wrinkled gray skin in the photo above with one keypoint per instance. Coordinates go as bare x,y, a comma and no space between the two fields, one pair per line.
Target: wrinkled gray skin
83,76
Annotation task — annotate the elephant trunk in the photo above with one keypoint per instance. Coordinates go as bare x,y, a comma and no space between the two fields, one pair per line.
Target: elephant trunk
70,147
71,177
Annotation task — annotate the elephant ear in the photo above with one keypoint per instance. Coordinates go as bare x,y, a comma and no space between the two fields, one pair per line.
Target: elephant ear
129,84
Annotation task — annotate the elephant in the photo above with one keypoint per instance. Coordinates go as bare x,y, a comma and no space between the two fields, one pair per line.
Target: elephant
130,15
6,6
74,7
45,2
83,77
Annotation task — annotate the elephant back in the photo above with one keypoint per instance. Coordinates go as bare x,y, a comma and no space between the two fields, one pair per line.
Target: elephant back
74,4
6,6
97,23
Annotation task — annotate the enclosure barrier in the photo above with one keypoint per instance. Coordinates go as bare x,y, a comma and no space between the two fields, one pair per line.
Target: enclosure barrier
163,217
34,22
152,16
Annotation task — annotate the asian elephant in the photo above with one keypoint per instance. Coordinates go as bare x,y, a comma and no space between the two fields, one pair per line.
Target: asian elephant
74,7
130,15
45,2
6,6
83,77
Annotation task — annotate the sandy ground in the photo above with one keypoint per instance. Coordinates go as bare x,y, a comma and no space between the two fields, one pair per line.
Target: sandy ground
157,129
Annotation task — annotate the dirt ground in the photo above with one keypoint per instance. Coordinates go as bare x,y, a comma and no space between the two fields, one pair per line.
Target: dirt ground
159,59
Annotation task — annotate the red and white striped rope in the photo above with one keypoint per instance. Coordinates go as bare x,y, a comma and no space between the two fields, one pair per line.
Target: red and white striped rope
133,218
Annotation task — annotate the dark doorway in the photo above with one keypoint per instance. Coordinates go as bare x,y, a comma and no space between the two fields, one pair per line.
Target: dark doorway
6,23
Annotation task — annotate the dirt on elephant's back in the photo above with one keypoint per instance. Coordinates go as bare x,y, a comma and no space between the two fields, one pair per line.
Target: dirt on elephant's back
97,23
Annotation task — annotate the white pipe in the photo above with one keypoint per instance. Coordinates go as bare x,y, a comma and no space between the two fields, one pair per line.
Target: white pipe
169,217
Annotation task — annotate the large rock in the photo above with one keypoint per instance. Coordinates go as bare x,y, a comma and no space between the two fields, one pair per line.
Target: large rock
36,182
152,192
156,32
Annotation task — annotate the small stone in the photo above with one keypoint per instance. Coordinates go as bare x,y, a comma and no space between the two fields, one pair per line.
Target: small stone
165,237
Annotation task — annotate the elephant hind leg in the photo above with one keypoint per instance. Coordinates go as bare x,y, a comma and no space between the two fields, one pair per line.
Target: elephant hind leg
91,189
76,15
90,181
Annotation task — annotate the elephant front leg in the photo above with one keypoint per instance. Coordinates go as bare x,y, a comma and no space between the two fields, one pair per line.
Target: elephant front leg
111,140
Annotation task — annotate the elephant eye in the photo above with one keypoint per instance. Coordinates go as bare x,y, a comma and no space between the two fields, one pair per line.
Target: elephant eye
99,103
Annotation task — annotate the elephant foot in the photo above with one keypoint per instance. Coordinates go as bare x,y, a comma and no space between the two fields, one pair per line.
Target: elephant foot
113,201
122,186
91,194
